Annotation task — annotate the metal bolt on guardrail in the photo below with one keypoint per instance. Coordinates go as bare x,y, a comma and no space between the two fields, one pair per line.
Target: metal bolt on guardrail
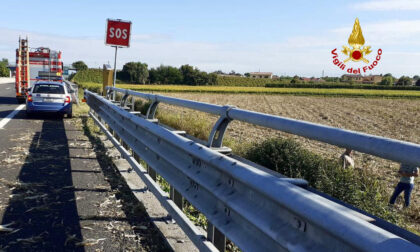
255,208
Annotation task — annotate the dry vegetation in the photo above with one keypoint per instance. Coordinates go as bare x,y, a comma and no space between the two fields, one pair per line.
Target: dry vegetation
394,118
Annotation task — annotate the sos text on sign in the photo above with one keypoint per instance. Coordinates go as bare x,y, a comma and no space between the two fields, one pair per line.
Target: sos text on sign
118,33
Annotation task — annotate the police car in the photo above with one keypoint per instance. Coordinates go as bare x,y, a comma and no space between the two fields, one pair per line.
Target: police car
50,97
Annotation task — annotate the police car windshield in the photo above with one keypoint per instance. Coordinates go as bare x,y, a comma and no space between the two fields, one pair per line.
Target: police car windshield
48,89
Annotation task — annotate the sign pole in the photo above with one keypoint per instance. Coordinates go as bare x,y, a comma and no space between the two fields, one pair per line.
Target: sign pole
117,35
115,72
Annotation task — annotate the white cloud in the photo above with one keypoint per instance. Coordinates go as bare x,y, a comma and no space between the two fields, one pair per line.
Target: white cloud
306,56
388,5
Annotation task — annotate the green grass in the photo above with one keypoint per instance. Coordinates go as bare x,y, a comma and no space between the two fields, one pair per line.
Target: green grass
337,92
243,81
358,187
88,75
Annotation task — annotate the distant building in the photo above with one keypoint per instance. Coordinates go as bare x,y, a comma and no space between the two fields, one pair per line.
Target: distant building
313,79
372,79
357,78
261,75
352,78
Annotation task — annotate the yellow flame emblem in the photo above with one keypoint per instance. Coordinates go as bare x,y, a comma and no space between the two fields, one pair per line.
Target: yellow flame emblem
356,41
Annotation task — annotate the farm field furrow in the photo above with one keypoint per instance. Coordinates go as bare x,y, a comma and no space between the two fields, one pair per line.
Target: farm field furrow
393,118
333,92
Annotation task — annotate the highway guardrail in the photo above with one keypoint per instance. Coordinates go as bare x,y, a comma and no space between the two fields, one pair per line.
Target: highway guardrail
254,208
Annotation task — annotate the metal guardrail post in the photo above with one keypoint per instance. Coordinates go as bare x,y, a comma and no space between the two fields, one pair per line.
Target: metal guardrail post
123,102
109,93
218,131
216,237
152,173
133,103
151,111
176,197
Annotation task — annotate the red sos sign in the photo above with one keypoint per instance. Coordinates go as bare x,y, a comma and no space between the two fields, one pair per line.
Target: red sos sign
118,33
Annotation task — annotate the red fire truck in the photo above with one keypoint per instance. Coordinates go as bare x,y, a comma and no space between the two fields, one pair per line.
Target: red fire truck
33,64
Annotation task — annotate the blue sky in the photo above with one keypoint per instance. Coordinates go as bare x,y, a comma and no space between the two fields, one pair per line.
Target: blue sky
285,37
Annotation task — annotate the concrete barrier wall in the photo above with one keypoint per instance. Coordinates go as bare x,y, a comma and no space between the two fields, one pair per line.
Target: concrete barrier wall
4,80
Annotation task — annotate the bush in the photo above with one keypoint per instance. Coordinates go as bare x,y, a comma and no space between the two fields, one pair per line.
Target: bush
353,186
387,81
79,65
89,75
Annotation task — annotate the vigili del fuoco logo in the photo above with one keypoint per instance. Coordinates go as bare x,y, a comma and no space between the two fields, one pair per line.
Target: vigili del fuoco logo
357,52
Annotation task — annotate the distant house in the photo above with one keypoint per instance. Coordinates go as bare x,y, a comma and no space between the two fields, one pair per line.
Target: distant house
261,75
358,78
352,78
372,79
313,79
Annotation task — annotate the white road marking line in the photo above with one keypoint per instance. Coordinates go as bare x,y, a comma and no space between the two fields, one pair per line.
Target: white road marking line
7,88
10,116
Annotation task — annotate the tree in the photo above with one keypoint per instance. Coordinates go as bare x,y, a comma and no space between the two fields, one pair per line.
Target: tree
295,79
153,75
387,81
212,79
4,71
135,72
193,76
416,77
388,74
188,74
404,81
219,72
247,74
165,75
418,83
79,65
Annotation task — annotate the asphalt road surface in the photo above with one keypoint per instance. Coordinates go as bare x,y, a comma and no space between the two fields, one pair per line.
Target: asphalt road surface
56,193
